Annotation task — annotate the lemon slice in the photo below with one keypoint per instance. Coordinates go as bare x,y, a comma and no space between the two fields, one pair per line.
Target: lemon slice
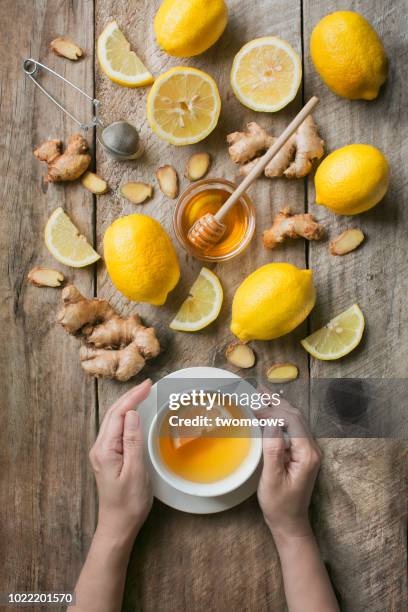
339,337
266,74
118,62
66,244
202,305
183,105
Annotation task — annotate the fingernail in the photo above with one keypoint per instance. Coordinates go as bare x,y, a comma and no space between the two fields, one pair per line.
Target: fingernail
133,417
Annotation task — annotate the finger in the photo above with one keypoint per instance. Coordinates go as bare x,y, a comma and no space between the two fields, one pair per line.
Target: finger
301,440
132,441
273,445
112,427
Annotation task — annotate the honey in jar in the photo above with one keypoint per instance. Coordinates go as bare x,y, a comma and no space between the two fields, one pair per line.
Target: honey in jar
207,197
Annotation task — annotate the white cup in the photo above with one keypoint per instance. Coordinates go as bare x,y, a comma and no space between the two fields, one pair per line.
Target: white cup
212,489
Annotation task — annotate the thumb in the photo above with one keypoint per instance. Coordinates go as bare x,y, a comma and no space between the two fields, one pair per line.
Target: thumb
273,453
132,439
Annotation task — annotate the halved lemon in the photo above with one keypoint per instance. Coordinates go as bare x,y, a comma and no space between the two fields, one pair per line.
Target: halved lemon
183,105
203,304
66,244
266,74
118,62
339,337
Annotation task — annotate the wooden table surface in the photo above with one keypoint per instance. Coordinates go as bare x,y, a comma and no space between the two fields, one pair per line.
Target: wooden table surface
50,411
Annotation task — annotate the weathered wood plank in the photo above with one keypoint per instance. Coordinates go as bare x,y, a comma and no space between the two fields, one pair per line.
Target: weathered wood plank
160,543
368,557
375,276
205,348
47,406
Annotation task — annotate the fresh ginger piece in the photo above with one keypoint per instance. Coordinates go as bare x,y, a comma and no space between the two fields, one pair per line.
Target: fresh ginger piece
197,166
244,146
309,147
294,160
66,48
45,277
282,372
168,181
116,347
240,355
137,193
67,166
94,183
346,242
286,225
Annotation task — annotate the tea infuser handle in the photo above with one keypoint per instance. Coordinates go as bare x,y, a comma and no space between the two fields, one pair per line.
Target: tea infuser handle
31,67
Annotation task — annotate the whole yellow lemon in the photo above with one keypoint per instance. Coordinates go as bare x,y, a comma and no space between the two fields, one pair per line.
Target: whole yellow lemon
189,27
272,301
348,55
141,260
352,179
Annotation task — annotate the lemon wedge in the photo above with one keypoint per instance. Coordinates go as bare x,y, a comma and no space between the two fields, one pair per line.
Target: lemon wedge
266,74
118,62
66,244
339,337
183,105
203,304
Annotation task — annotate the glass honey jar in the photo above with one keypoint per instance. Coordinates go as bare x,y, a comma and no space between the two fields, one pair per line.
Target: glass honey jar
207,196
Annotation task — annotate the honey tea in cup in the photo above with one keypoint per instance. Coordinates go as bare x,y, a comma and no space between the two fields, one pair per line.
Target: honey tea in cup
197,456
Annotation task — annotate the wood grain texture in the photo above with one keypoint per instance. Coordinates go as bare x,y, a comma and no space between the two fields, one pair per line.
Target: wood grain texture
213,546
47,418
49,409
206,347
360,519
375,276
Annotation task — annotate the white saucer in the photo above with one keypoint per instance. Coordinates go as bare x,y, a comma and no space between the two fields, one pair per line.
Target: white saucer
165,492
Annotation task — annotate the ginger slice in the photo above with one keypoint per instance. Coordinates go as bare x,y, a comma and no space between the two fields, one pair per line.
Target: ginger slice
94,183
346,242
197,166
287,225
282,372
45,277
116,347
67,166
137,193
66,48
294,160
168,181
240,355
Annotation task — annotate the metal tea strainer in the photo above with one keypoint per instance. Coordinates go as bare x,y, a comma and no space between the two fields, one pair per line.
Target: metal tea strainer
120,139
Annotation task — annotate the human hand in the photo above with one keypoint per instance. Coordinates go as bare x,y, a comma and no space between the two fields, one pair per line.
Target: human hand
125,496
288,476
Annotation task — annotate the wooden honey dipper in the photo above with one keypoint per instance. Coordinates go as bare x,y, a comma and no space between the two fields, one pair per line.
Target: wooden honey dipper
209,229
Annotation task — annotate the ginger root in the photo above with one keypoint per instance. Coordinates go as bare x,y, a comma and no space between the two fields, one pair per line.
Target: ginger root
287,225
67,166
116,347
294,160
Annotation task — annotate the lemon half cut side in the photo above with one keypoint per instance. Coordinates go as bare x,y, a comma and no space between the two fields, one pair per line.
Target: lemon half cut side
266,74
183,105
